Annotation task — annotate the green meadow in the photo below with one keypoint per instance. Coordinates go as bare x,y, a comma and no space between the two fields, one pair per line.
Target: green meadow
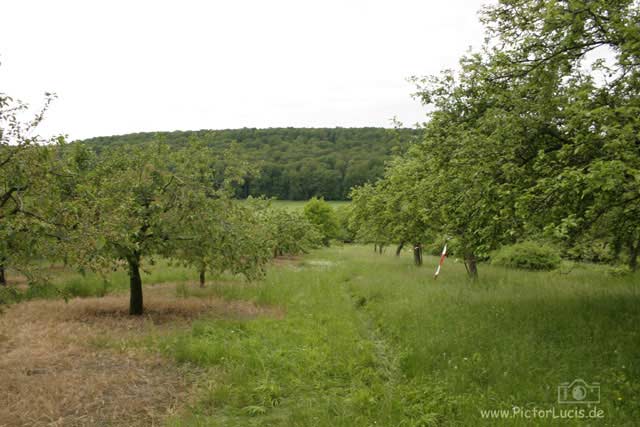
298,205
367,339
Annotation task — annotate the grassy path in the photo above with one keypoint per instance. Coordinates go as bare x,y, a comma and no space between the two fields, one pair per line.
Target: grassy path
387,359
322,364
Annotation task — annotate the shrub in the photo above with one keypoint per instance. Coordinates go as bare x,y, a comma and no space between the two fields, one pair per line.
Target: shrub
617,270
8,295
346,232
84,287
527,256
591,249
323,217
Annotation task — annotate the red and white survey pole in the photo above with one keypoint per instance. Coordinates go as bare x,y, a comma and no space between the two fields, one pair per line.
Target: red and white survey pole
442,257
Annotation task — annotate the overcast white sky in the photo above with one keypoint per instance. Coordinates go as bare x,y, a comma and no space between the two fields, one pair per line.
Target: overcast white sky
131,66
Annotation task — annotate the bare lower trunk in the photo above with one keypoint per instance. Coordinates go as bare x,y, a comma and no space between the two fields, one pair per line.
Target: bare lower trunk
135,283
3,278
399,249
417,254
202,278
471,265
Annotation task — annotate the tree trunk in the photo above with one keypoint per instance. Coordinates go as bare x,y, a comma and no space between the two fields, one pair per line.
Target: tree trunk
417,254
3,278
202,277
617,249
399,249
633,255
135,283
471,265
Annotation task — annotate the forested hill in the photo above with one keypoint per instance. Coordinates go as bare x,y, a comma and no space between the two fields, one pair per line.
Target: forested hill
295,163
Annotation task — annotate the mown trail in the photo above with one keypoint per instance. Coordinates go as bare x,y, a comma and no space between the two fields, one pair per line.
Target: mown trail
323,364
387,357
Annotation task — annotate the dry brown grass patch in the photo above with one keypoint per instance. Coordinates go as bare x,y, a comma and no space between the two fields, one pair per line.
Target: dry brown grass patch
52,373
287,260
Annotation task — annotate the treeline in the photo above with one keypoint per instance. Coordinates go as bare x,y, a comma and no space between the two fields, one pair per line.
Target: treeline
533,139
292,163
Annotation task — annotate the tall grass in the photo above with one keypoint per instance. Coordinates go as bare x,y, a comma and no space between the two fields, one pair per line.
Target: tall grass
372,340
512,338
74,284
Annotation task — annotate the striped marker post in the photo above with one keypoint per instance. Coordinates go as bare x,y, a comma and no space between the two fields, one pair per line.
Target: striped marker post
442,257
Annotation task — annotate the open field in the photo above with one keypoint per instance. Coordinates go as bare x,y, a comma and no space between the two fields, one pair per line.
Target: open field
341,337
299,204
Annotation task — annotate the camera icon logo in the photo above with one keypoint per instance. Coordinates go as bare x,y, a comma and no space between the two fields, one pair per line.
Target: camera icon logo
579,391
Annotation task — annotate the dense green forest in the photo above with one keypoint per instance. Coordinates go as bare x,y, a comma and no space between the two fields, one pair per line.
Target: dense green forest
293,163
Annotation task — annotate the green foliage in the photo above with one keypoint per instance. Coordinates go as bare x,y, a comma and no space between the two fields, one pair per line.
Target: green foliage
528,139
366,219
8,295
591,248
289,232
393,209
29,173
292,163
618,271
227,236
322,216
85,287
527,256
140,201
346,233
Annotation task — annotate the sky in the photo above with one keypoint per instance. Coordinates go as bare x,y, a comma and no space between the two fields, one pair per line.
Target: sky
133,66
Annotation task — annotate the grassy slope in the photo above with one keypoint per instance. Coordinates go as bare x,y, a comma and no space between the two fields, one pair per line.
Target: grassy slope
371,340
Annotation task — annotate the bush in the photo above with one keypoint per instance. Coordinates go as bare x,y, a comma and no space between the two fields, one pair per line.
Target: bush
8,295
527,256
346,233
591,249
323,217
85,287
617,270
